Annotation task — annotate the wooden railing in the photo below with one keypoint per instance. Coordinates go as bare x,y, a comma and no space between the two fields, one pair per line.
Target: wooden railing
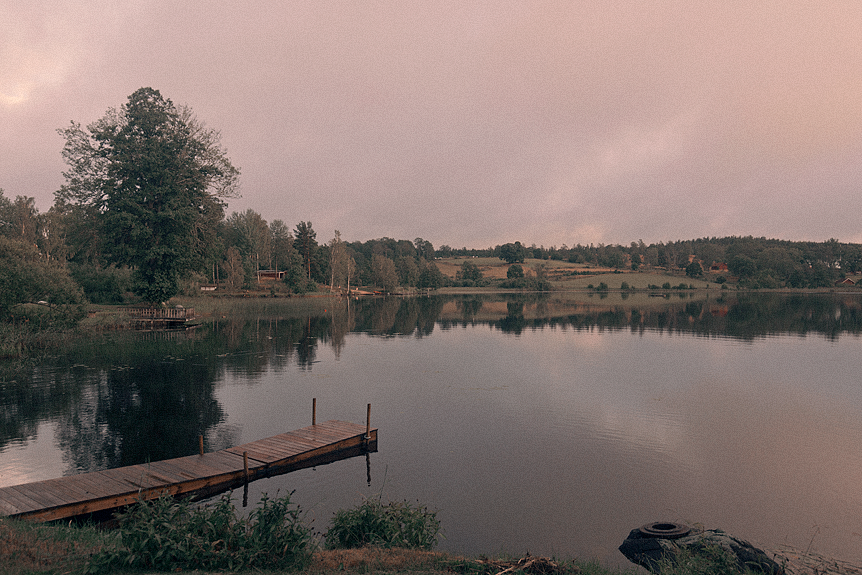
161,313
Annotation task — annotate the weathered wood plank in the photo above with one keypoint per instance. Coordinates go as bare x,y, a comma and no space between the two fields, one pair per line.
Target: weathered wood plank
38,494
6,508
21,502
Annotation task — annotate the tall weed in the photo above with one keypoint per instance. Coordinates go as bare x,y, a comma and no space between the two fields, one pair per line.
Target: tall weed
394,524
167,535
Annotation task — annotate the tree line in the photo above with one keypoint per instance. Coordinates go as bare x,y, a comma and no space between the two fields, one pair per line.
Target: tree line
142,211
755,262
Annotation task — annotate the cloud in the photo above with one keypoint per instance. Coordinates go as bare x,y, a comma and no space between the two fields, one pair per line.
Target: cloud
480,123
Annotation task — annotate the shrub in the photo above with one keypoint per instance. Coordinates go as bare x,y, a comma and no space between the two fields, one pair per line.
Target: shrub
167,535
102,285
394,524
527,284
515,271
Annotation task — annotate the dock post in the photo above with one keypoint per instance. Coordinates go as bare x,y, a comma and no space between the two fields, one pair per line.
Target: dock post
313,411
368,423
201,443
245,464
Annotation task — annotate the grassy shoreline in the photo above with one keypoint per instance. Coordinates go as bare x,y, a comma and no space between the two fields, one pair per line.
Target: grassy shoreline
42,549
35,549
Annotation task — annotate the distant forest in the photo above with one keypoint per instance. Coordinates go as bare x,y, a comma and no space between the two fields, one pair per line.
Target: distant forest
61,251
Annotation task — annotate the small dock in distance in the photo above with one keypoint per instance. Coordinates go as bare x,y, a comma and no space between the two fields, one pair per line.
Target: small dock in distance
149,318
194,475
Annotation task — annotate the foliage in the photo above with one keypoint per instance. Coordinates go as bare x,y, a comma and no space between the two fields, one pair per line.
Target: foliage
342,266
305,242
296,280
424,249
384,273
742,266
527,284
250,235
511,253
233,269
469,272
27,278
102,285
694,270
394,524
408,271
431,277
167,535
515,271
152,177
283,253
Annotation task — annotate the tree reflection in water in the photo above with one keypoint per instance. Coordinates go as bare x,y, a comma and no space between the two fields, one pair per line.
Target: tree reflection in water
127,398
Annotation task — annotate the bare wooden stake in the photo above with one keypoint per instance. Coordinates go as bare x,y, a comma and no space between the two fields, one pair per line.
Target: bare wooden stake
245,463
313,411
201,443
368,423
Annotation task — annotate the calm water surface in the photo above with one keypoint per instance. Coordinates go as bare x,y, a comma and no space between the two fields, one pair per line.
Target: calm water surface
538,425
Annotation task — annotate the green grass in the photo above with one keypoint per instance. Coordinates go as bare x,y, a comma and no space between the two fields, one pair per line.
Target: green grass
216,307
34,548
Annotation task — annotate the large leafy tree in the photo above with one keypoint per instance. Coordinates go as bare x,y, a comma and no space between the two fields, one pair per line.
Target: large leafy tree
384,273
513,253
250,234
152,179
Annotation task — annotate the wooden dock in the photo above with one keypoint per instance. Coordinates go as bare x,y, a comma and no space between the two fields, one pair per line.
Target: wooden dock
160,318
193,475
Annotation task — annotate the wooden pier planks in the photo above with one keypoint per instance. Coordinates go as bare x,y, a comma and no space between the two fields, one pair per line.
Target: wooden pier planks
194,474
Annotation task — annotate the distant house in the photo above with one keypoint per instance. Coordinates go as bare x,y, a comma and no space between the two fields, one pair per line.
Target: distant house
718,267
269,275
845,282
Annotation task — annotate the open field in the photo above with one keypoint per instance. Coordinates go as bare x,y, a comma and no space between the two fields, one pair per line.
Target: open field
565,275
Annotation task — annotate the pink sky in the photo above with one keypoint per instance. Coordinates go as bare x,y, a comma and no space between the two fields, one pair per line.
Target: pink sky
473,123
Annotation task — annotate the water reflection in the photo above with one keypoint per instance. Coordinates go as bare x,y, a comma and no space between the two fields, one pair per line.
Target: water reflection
128,398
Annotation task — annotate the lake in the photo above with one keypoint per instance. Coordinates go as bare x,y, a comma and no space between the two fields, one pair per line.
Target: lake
551,424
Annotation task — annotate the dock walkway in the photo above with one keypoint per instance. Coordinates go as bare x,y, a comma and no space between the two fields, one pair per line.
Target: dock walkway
203,474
